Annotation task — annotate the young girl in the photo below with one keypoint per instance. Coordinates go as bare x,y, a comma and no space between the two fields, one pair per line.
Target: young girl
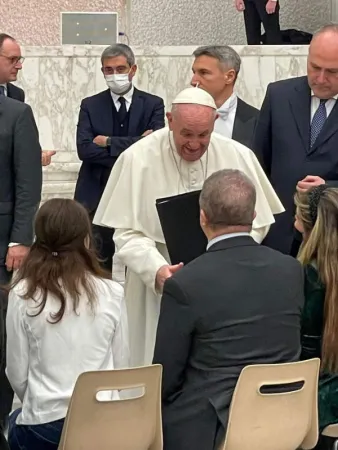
317,220
65,317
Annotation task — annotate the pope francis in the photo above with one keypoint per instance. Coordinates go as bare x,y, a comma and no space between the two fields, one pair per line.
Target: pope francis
168,162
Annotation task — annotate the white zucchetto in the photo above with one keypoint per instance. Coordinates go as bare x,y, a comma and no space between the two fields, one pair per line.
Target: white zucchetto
195,96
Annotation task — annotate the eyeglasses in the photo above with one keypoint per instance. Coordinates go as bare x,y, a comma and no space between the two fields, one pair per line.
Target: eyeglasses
14,59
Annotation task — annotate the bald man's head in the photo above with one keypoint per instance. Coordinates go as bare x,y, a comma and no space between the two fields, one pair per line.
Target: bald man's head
322,64
192,126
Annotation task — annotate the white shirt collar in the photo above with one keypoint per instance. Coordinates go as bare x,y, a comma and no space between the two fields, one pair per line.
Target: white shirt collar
128,95
228,106
226,236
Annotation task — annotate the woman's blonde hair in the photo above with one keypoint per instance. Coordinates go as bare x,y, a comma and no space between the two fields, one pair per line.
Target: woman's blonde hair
318,211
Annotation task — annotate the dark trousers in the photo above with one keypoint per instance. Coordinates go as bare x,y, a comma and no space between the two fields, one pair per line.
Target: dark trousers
6,392
104,244
34,437
254,16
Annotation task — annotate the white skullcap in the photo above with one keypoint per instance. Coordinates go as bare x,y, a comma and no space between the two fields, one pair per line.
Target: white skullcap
195,96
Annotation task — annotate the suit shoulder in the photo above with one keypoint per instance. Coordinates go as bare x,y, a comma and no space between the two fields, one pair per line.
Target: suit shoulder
15,88
148,96
285,85
281,258
92,99
248,110
16,105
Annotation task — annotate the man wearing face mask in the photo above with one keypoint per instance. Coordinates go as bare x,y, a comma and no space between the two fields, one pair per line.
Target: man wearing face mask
109,122
169,162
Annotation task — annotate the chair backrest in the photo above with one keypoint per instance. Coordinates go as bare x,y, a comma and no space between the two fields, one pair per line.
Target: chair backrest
274,407
128,424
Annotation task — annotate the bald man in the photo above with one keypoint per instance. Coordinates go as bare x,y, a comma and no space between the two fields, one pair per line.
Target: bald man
296,137
169,162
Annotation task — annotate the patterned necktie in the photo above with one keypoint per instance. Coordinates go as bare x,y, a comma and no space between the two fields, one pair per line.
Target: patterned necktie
2,90
122,112
318,121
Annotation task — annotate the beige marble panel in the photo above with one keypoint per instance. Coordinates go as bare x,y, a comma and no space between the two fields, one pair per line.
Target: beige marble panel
56,79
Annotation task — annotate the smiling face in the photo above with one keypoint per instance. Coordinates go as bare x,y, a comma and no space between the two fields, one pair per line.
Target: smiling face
322,65
192,126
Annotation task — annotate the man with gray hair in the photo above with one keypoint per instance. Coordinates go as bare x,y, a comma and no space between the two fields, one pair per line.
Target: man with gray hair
215,70
109,123
227,309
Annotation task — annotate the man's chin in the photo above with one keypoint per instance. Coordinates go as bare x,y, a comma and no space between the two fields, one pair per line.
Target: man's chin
322,93
191,157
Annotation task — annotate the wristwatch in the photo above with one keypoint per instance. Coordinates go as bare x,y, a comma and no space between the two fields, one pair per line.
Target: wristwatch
108,141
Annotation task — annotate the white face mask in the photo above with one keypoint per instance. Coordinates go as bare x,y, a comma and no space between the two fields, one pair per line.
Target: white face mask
118,83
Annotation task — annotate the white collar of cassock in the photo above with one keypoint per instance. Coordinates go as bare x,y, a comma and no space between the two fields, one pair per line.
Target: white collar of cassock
227,107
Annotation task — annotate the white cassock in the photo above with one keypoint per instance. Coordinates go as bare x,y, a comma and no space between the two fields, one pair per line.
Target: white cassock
152,169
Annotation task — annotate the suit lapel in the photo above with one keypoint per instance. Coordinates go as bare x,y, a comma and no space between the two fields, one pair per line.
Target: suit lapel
301,109
135,113
107,111
239,125
330,127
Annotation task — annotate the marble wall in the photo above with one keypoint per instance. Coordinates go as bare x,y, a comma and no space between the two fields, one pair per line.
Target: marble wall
56,79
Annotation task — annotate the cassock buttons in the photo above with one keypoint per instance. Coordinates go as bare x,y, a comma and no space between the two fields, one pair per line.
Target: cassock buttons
121,124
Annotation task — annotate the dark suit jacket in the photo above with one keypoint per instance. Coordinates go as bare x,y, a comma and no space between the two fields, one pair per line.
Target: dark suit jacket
21,175
245,123
282,145
96,118
229,308
15,92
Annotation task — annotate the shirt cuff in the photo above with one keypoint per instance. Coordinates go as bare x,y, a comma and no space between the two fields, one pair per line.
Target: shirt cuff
13,244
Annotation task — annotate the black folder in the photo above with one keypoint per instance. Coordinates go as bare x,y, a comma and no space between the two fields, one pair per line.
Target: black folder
179,217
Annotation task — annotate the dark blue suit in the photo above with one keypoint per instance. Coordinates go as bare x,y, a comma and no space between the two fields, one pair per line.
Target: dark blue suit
96,118
282,145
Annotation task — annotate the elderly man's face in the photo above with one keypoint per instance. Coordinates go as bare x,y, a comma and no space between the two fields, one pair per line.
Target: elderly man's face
10,61
192,126
322,66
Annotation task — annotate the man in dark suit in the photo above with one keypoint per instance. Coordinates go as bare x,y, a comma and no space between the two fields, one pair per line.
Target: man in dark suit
216,70
238,304
20,193
256,13
296,137
109,123
10,63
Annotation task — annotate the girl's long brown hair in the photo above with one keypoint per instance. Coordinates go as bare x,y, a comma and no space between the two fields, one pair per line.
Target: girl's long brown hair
320,245
61,259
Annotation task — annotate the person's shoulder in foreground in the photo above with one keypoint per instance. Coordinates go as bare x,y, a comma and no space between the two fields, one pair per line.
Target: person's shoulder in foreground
273,260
